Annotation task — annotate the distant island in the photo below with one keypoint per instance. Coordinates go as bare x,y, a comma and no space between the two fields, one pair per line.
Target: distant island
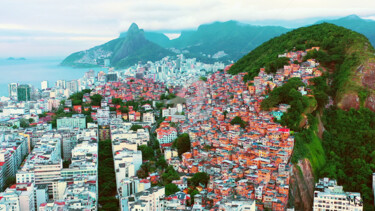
16,59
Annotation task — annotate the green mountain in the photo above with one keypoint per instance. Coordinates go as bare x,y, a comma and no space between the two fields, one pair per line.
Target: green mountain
335,141
355,23
234,38
155,37
122,52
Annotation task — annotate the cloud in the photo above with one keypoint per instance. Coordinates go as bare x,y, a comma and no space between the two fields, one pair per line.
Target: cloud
369,18
172,36
97,19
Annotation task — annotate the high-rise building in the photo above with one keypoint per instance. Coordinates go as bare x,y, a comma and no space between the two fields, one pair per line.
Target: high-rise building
13,90
76,121
61,84
329,196
23,92
72,86
111,77
44,84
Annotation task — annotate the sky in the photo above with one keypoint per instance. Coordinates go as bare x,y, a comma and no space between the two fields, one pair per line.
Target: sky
37,28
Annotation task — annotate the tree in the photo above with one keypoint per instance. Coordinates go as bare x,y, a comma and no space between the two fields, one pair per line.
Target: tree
200,178
143,172
66,163
171,189
202,78
117,101
192,194
159,105
24,123
10,181
167,97
96,99
161,163
169,175
44,114
107,178
225,114
147,152
182,144
124,109
135,127
238,121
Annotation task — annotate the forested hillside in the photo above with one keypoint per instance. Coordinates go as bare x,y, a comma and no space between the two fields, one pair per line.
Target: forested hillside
346,149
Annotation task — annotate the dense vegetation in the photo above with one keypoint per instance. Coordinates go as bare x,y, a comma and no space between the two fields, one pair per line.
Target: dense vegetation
182,144
77,99
136,127
168,96
198,179
289,94
349,143
337,43
107,178
171,189
346,152
355,23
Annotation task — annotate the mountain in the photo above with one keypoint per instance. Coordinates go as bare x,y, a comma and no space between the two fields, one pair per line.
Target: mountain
334,141
355,23
155,37
234,38
223,41
122,52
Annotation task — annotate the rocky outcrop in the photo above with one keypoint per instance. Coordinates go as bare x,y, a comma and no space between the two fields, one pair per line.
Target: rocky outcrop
302,186
370,102
349,101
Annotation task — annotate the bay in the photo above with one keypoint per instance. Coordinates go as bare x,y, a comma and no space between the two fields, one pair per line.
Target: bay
35,70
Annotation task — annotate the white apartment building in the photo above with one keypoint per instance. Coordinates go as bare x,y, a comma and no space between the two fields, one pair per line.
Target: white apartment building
127,163
146,200
329,196
149,117
43,165
18,198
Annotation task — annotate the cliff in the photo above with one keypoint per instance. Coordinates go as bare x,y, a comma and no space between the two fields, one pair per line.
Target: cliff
338,138
302,186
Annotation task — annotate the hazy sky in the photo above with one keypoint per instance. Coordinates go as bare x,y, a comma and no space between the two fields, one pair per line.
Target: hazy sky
60,27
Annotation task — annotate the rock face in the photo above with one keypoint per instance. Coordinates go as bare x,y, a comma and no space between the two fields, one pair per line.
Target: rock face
349,101
302,186
370,102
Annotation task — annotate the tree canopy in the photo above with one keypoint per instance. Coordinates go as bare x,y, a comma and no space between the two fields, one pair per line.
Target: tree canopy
200,178
135,127
182,144
238,121
171,189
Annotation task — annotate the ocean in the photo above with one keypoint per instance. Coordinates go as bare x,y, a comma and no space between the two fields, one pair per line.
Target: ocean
35,70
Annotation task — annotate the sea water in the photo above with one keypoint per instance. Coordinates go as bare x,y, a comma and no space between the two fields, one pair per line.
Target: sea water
35,70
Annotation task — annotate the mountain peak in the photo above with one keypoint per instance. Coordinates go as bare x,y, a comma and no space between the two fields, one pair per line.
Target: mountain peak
134,31
352,17
133,27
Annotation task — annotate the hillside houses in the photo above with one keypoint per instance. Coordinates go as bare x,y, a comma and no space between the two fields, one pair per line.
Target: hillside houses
251,162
